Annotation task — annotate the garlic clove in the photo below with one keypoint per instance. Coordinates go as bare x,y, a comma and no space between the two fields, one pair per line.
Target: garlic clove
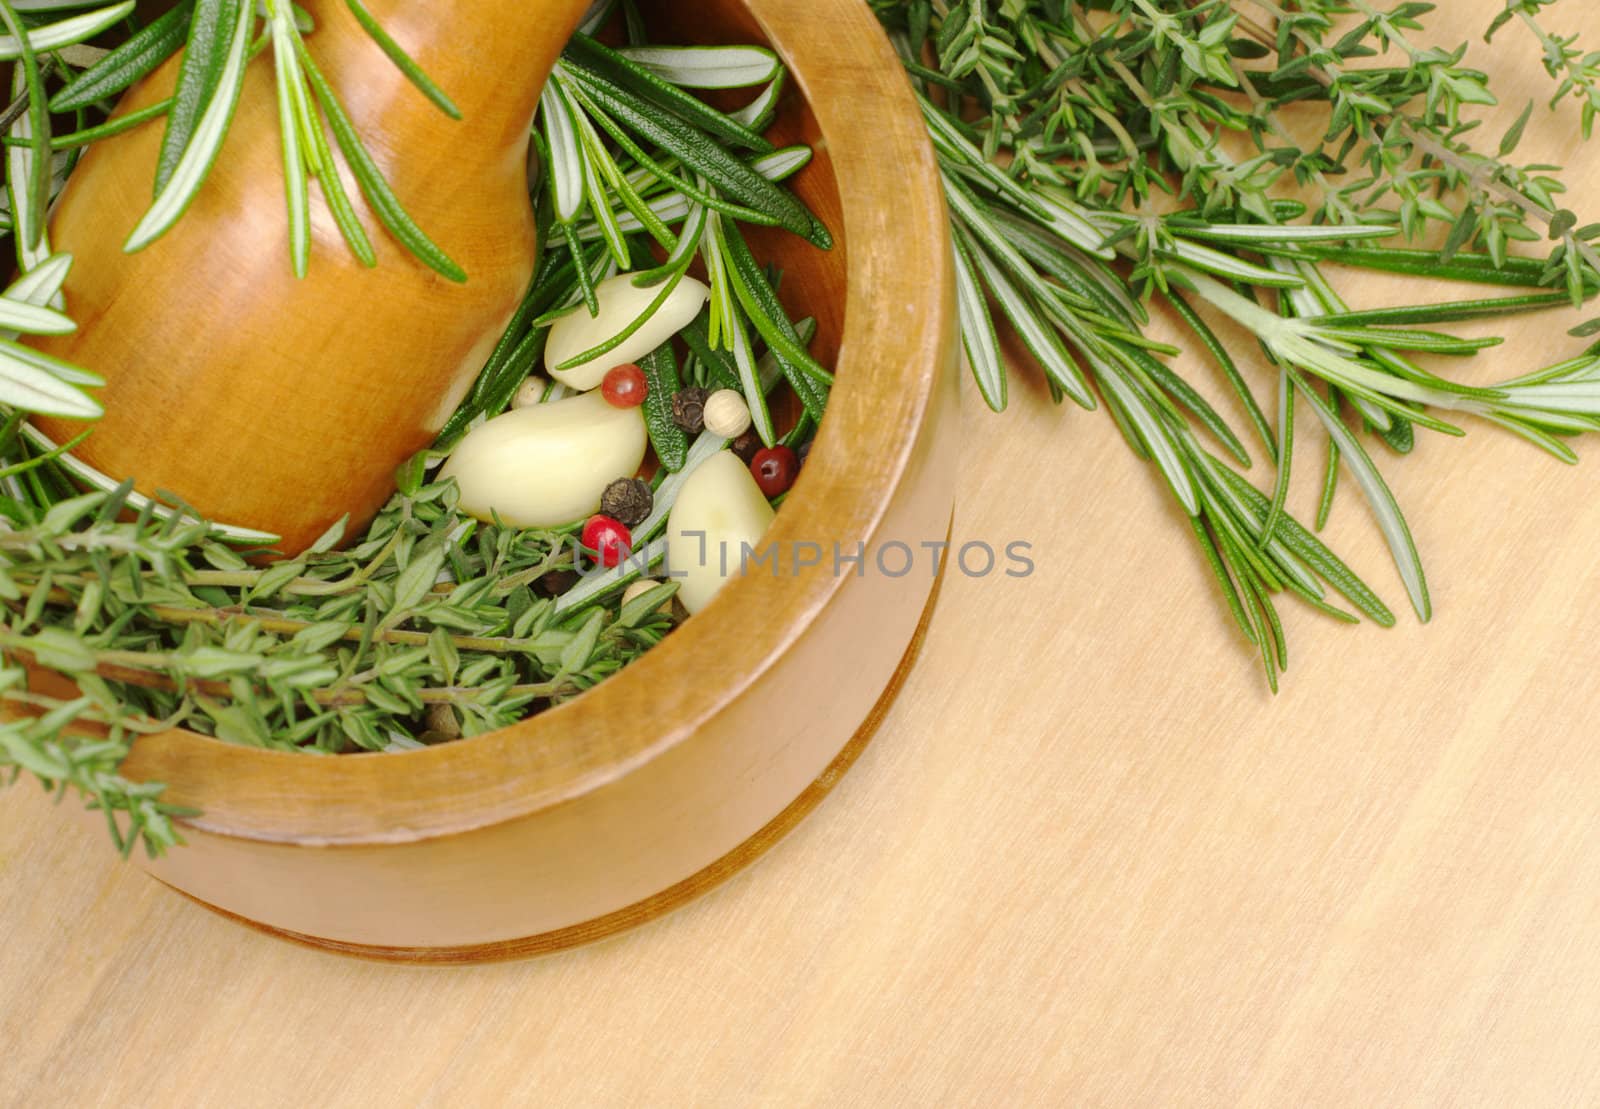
547,465
621,302
639,589
719,511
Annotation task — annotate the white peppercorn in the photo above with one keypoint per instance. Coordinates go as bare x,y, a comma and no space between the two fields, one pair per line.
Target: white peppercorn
531,392
727,415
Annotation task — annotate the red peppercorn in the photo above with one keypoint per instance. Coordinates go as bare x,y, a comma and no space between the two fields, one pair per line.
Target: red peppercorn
624,386
774,469
607,539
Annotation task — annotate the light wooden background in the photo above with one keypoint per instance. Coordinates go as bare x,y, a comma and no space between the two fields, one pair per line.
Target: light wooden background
1088,859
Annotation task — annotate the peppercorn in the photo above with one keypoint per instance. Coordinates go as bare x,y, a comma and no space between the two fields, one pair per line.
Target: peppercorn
746,445
628,501
726,413
624,386
531,392
608,539
774,469
555,582
689,409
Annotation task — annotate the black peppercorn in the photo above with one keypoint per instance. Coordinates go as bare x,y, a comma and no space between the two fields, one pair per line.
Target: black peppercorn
628,501
555,583
746,445
689,409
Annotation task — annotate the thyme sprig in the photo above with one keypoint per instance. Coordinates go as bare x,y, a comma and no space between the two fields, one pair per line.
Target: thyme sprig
1576,70
430,628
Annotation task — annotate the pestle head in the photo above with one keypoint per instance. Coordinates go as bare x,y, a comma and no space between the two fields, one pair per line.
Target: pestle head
284,404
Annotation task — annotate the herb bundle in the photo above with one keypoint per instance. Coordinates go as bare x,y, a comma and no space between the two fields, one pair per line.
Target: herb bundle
430,626
1105,160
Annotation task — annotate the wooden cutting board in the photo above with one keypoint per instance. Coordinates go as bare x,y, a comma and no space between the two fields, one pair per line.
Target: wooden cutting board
1089,859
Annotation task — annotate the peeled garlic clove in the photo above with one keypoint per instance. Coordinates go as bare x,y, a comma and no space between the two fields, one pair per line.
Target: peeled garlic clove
549,464
639,589
621,302
719,511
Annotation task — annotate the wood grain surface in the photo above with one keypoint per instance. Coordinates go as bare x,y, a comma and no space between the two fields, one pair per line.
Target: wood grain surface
1088,859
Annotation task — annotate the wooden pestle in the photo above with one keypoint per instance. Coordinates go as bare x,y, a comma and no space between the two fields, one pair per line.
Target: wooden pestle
278,403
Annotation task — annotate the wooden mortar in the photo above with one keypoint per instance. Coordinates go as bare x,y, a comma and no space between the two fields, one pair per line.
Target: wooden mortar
282,404
673,774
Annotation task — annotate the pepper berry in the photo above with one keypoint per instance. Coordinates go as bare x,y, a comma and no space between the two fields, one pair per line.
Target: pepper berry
609,540
555,583
625,386
774,469
726,413
628,500
746,445
689,409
